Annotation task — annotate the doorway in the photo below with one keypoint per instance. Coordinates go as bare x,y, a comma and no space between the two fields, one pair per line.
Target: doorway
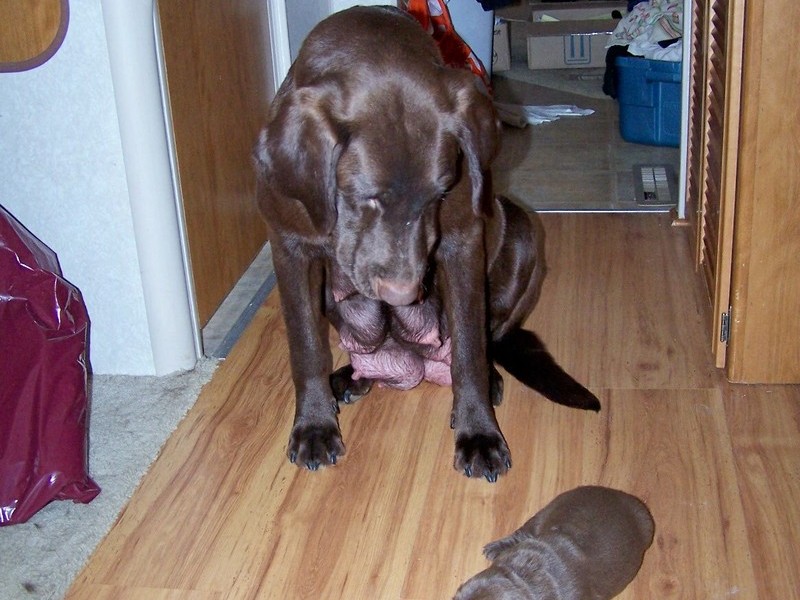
578,163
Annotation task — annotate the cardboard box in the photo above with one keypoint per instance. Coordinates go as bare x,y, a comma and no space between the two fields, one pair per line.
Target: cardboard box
543,12
501,48
568,44
563,35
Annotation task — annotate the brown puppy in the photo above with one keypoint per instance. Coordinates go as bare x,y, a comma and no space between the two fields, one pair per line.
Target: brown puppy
374,181
587,544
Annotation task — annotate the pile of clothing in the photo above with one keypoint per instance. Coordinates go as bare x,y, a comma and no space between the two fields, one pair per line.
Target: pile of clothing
652,29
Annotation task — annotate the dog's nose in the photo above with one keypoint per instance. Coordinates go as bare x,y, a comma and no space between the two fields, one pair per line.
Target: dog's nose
397,292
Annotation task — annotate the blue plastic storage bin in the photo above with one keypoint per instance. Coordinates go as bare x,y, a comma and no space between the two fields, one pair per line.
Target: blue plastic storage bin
649,95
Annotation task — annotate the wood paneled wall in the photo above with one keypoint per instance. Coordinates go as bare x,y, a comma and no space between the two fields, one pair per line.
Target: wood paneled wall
220,83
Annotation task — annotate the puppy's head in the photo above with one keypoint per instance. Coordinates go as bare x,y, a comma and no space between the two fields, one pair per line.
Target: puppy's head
494,584
372,158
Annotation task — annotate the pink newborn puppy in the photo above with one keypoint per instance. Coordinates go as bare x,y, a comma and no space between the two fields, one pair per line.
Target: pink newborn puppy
587,544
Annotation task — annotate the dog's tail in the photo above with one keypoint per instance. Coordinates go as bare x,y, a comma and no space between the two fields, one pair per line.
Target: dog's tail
523,355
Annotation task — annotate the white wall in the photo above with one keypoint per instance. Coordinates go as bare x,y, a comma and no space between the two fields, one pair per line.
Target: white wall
63,175
302,16
337,5
476,27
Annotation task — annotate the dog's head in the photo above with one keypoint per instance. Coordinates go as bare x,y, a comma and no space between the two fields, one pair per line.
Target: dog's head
371,160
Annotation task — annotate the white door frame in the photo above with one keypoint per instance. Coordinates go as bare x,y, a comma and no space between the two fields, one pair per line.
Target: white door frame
279,34
133,57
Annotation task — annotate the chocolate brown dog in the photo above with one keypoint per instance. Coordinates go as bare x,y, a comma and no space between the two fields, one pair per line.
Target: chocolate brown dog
587,544
374,181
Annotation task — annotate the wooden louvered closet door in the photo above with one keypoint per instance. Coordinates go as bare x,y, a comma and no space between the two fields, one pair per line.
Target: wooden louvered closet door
743,182
712,151
694,145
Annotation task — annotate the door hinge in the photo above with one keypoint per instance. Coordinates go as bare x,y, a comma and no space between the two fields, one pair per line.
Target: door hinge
725,327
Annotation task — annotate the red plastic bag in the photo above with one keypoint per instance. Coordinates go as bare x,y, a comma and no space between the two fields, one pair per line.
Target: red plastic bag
43,379
434,17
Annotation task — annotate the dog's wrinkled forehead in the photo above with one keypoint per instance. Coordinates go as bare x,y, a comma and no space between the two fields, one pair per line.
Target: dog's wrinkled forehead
397,158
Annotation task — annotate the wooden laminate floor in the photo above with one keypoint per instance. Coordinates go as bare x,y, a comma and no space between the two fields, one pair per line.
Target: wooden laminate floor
223,515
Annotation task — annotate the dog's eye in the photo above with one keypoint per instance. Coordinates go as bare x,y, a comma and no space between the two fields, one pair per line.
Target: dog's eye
373,203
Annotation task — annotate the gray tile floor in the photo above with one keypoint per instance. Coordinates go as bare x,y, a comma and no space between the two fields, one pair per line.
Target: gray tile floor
238,308
574,163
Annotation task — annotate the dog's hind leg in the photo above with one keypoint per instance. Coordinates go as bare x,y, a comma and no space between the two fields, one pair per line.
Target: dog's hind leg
345,388
495,386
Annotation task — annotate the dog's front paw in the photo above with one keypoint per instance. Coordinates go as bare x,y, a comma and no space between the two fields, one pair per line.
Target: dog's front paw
316,445
482,455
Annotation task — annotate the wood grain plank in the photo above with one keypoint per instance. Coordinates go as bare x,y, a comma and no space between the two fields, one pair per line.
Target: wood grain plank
105,592
765,428
621,303
672,448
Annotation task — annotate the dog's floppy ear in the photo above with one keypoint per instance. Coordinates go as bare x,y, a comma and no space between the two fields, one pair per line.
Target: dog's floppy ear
477,129
298,150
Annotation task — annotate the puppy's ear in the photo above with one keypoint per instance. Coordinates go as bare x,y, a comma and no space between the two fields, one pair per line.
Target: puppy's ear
298,150
477,129
494,549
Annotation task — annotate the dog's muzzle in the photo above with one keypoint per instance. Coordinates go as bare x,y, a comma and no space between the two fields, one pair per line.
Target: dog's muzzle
397,292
